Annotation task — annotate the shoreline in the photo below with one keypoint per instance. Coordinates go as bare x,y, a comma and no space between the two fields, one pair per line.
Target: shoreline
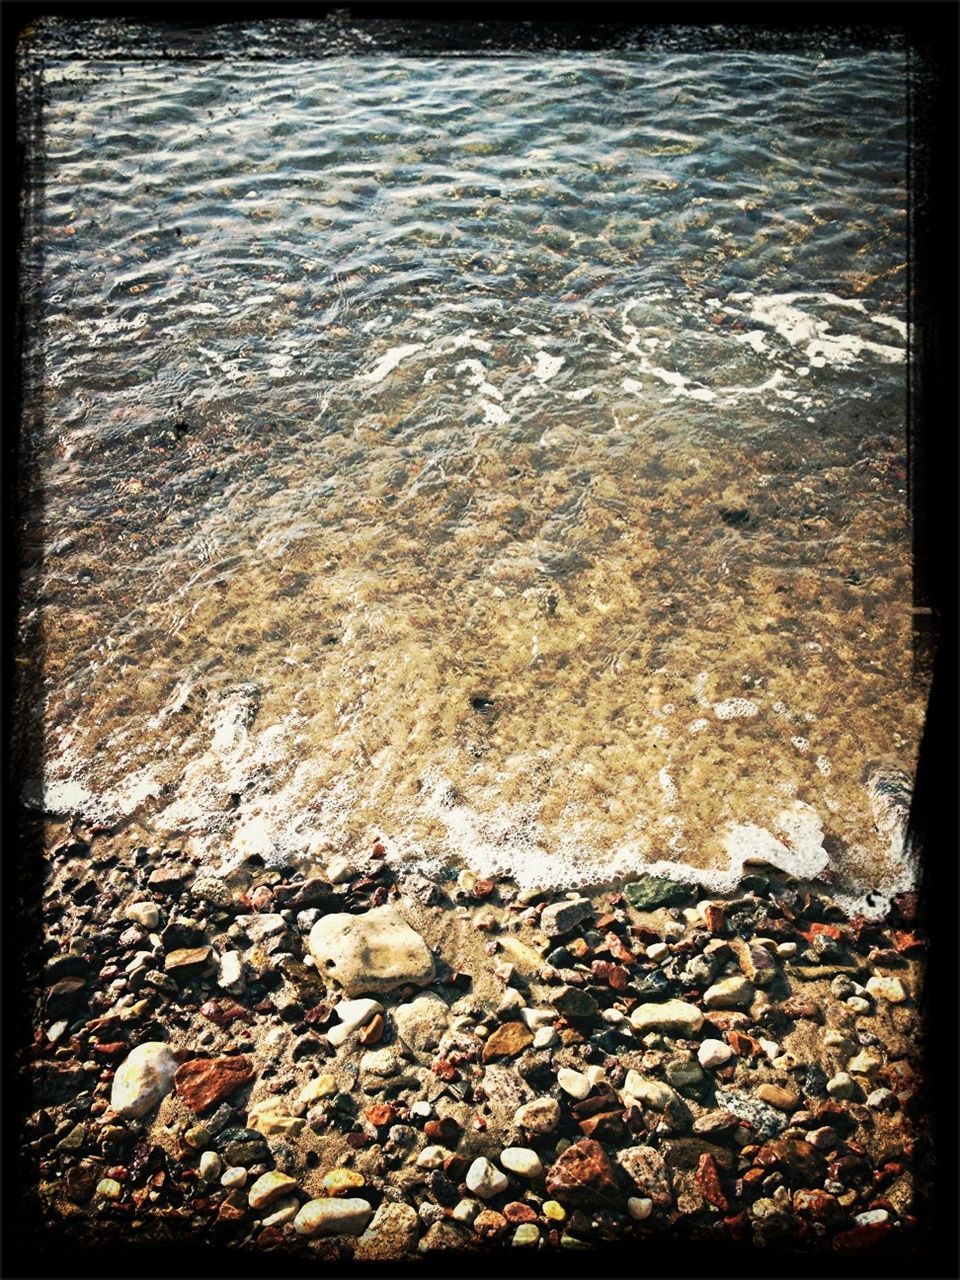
739,1068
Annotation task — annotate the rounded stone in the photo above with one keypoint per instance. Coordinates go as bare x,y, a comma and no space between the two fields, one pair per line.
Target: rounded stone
676,1016
369,953
485,1179
714,1053
542,1115
522,1160
333,1217
143,1079
527,1234
269,1187
639,1207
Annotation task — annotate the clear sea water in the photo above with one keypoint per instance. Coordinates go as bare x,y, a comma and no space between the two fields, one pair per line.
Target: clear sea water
501,456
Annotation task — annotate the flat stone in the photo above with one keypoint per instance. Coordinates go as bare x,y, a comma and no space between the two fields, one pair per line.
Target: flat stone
203,1082
485,1179
370,953
270,1187
674,1016
561,917
649,892
729,993
527,1234
506,1041
282,1211
779,1097
583,1176
186,959
144,1077
391,1234
575,1004
522,1161
270,1117
540,1116
332,1217
766,1120
337,1181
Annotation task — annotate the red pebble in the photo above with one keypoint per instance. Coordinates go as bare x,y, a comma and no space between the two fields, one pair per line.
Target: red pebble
516,1211
862,1237
708,1180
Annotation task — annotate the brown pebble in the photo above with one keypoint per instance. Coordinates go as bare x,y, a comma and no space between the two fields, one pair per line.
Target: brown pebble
372,1033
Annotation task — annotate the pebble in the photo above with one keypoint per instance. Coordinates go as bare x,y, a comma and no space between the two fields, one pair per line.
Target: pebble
465,1211
422,1022
270,1117
370,953
108,1189
841,1086
865,1063
639,1207
823,1139
573,1082
858,1004
203,1082
713,1053
210,1166
353,1015
271,1186
281,1212
777,1096
554,1211
485,1179
657,950
521,1160
143,1079
540,1116
527,1234
729,993
545,1038
230,975
322,1087
145,913
390,1235
671,1016
337,1181
561,917
333,1217
432,1157
234,1177
889,989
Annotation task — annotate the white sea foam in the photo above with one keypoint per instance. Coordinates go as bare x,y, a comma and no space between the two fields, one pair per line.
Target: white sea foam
389,361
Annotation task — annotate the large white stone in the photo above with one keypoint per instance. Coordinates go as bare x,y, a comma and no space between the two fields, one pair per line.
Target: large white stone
542,1115
269,1187
370,953
330,1216
143,1078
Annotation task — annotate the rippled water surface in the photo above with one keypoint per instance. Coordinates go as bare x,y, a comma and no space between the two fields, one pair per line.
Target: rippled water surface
501,456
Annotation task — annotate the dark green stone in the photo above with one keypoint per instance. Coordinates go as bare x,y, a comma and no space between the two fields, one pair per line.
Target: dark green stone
650,892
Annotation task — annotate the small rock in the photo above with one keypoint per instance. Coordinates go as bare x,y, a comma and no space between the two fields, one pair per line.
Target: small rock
522,1161
271,1186
647,1170
234,1177
270,1117
540,1116
575,1004
561,917
333,1217
841,1086
545,1038
526,1234
281,1212
583,1176
390,1235
108,1189
573,1082
187,959
203,1082
889,989
639,1207
353,1015
144,1077
509,1039
713,1053
485,1179
337,1181
230,976
779,1097
210,1166
422,1022
671,1016
649,892
729,993
145,913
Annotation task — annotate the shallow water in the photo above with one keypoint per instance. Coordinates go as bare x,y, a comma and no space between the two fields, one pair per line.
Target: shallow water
502,457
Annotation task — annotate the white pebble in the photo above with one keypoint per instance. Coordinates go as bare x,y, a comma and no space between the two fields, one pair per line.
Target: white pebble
545,1038
521,1160
485,1179
657,950
639,1207
714,1053
236,1176
210,1166
573,1082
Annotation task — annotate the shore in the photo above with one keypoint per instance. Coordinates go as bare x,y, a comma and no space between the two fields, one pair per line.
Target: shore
360,1067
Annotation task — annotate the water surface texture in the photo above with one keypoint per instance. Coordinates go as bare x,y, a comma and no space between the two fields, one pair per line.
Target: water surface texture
504,457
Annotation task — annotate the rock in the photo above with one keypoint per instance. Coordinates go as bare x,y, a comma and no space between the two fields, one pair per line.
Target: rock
636,1090
281,1211
443,1237
889,989
234,1177
485,1179
390,1235
674,1016
639,1207
575,1004
187,959
144,1077
370,953
270,1187
203,1082
561,917
270,1117
522,1161
545,1038
509,1039
421,1023
333,1217
573,1082
211,1166
779,1097
713,1053
766,1120
756,962
505,1091
490,1225
526,1234
649,892
230,976
540,1116
145,913
647,1170
800,1164
353,1015
337,1181
729,993
582,1176
841,1085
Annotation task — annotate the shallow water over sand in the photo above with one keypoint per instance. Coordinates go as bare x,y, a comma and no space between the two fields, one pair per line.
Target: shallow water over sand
504,458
